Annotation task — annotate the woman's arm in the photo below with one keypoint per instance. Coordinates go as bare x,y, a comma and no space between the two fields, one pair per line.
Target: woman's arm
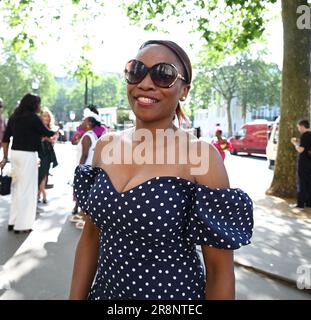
85,264
5,143
220,280
75,139
4,160
86,144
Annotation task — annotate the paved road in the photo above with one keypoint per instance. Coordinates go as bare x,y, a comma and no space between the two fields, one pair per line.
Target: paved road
249,173
39,266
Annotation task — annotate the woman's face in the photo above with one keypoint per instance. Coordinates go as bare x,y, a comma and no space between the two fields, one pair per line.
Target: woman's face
152,103
85,125
46,118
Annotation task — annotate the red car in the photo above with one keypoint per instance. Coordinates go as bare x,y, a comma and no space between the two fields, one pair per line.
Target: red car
251,138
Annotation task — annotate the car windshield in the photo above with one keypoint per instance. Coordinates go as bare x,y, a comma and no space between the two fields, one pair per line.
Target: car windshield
241,132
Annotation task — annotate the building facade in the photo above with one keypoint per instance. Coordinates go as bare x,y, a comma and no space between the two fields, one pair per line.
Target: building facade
216,117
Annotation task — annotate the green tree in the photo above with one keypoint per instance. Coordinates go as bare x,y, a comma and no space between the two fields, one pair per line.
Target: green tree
16,77
14,82
201,93
108,91
227,25
259,84
123,116
75,96
254,83
224,80
47,87
84,72
59,106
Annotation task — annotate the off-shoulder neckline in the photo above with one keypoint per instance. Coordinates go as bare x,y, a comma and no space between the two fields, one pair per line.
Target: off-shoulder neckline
149,181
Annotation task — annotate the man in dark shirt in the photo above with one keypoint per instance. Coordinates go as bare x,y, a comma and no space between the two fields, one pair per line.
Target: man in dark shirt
303,147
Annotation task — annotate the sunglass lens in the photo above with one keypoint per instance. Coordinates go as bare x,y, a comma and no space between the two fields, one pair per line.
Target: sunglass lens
135,71
163,75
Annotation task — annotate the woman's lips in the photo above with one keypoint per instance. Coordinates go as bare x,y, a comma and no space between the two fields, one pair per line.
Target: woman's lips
146,101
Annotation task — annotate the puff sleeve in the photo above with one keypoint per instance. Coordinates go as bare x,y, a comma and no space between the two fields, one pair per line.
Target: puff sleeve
220,218
84,179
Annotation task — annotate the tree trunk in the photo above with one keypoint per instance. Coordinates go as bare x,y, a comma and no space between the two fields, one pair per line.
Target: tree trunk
92,96
295,100
229,116
244,111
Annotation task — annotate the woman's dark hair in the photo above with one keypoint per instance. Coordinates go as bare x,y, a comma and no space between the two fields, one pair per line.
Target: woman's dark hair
186,64
93,108
94,123
305,123
29,103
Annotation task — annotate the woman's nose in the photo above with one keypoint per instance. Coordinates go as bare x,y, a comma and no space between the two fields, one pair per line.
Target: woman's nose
146,83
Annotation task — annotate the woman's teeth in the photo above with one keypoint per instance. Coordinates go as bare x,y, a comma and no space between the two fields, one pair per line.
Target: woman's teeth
146,100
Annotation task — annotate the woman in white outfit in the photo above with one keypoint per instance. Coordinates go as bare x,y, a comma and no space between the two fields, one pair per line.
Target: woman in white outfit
27,129
86,149
88,141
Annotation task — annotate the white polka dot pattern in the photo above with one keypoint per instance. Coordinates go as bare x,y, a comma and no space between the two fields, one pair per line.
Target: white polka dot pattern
148,235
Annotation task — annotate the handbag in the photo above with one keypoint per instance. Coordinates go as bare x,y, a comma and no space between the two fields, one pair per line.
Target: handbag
5,184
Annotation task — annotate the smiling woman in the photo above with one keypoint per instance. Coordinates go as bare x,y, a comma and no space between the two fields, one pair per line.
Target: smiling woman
145,220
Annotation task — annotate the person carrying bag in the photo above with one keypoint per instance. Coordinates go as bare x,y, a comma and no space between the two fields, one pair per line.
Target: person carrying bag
5,184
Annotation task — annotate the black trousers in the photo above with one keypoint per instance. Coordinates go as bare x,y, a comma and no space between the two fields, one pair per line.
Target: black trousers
304,185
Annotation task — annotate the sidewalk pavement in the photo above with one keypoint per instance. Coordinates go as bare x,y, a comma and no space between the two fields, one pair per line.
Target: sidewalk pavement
281,243
281,240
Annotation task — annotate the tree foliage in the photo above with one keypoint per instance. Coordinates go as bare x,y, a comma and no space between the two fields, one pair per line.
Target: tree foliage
227,26
106,90
253,82
201,92
17,76
259,84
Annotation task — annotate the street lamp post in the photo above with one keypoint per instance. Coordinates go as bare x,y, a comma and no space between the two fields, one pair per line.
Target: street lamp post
35,85
72,116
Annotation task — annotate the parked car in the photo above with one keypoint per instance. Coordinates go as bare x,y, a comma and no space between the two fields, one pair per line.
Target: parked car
251,138
272,145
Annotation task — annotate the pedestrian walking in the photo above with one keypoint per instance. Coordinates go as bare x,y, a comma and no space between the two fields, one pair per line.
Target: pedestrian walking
221,144
144,220
303,147
47,155
27,129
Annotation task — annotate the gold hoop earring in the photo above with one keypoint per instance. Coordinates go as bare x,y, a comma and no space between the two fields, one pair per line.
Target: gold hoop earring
182,98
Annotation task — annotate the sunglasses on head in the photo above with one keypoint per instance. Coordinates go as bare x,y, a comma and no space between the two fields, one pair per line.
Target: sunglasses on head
163,75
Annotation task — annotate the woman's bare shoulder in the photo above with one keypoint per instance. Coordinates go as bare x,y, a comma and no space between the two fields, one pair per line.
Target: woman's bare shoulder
210,169
109,141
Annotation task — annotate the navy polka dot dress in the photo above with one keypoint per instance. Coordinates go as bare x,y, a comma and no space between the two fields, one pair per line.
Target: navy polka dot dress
148,234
